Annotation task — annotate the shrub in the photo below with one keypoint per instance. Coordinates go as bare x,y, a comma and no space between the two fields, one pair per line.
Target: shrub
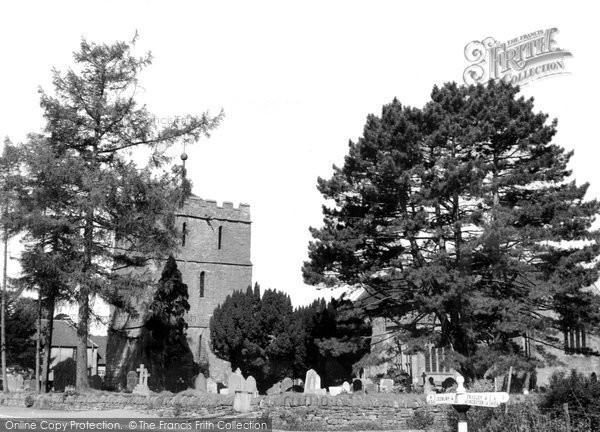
29,401
64,374
421,419
581,393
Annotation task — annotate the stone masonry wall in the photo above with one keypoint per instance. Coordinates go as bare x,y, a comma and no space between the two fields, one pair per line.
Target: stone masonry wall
226,269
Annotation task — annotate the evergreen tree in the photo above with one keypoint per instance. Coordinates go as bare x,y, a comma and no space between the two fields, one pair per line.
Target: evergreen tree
20,330
462,224
93,121
172,362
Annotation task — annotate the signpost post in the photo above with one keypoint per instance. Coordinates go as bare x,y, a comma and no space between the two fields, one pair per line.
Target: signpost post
462,401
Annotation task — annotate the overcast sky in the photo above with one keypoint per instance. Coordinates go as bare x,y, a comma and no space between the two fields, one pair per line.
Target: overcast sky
296,81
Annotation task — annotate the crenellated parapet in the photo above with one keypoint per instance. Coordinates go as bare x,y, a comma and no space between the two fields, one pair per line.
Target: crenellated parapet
199,208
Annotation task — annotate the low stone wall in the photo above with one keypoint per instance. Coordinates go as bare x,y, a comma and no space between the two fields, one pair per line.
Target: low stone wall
344,412
289,411
188,403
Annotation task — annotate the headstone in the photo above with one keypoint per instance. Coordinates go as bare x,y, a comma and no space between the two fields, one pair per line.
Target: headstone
241,402
95,382
29,384
224,391
142,387
386,385
200,383
369,386
250,386
211,386
132,380
346,386
14,382
235,382
287,384
357,385
275,389
336,390
312,382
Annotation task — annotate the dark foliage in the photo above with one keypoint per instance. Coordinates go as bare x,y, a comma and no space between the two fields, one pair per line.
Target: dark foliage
21,318
269,340
462,224
64,374
173,367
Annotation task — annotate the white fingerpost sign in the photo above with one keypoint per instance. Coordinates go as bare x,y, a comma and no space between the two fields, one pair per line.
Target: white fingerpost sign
462,401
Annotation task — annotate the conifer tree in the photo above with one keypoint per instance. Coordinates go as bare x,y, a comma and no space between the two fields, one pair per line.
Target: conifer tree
462,223
122,213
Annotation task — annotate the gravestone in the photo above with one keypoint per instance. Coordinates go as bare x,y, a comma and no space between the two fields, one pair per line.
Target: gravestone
312,382
336,390
287,384
142,386
14,382
235,382
29,384
250,386
275,389
132,380
224,391
346,386
369,386
211,386
200,383
242,401
357,385
95,382
386,385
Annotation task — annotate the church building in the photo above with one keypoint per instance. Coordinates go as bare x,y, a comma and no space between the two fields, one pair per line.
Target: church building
214,260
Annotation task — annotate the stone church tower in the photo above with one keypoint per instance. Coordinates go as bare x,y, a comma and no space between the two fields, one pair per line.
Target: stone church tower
214,260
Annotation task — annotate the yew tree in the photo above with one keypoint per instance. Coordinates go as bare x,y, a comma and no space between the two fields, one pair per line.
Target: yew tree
462,223
120,214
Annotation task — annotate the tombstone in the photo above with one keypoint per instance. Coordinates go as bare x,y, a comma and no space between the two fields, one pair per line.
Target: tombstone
313,382
132,380
142,386
14,382
235,382
200,383
357,385
224,391
211,386
594,377
275,389
29,384
250,386
346,386
336,390
287,384
386,385
242,401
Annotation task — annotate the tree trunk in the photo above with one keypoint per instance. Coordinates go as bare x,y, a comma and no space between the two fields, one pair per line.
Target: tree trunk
2,317
48,346
81,381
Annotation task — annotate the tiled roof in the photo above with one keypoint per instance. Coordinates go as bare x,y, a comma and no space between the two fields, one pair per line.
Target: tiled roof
64,334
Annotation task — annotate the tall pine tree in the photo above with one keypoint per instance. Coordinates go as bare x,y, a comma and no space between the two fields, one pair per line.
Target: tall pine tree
462,222
122,213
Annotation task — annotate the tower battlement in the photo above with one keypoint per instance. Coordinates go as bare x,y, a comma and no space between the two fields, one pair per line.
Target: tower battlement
208,209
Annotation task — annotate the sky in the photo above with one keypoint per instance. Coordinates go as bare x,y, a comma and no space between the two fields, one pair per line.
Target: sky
296,80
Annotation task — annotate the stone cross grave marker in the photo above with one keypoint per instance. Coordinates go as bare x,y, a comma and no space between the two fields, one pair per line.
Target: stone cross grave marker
312,382
132,380
142,387
462,401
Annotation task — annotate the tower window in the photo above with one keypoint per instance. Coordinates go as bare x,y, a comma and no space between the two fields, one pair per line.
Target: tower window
220,243
202,277
184,232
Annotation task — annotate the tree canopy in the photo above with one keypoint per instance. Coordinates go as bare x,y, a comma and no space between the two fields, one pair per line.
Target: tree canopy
462,224
267,338
93,212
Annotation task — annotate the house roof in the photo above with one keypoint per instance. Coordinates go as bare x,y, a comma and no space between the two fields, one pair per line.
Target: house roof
64,334
101,342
